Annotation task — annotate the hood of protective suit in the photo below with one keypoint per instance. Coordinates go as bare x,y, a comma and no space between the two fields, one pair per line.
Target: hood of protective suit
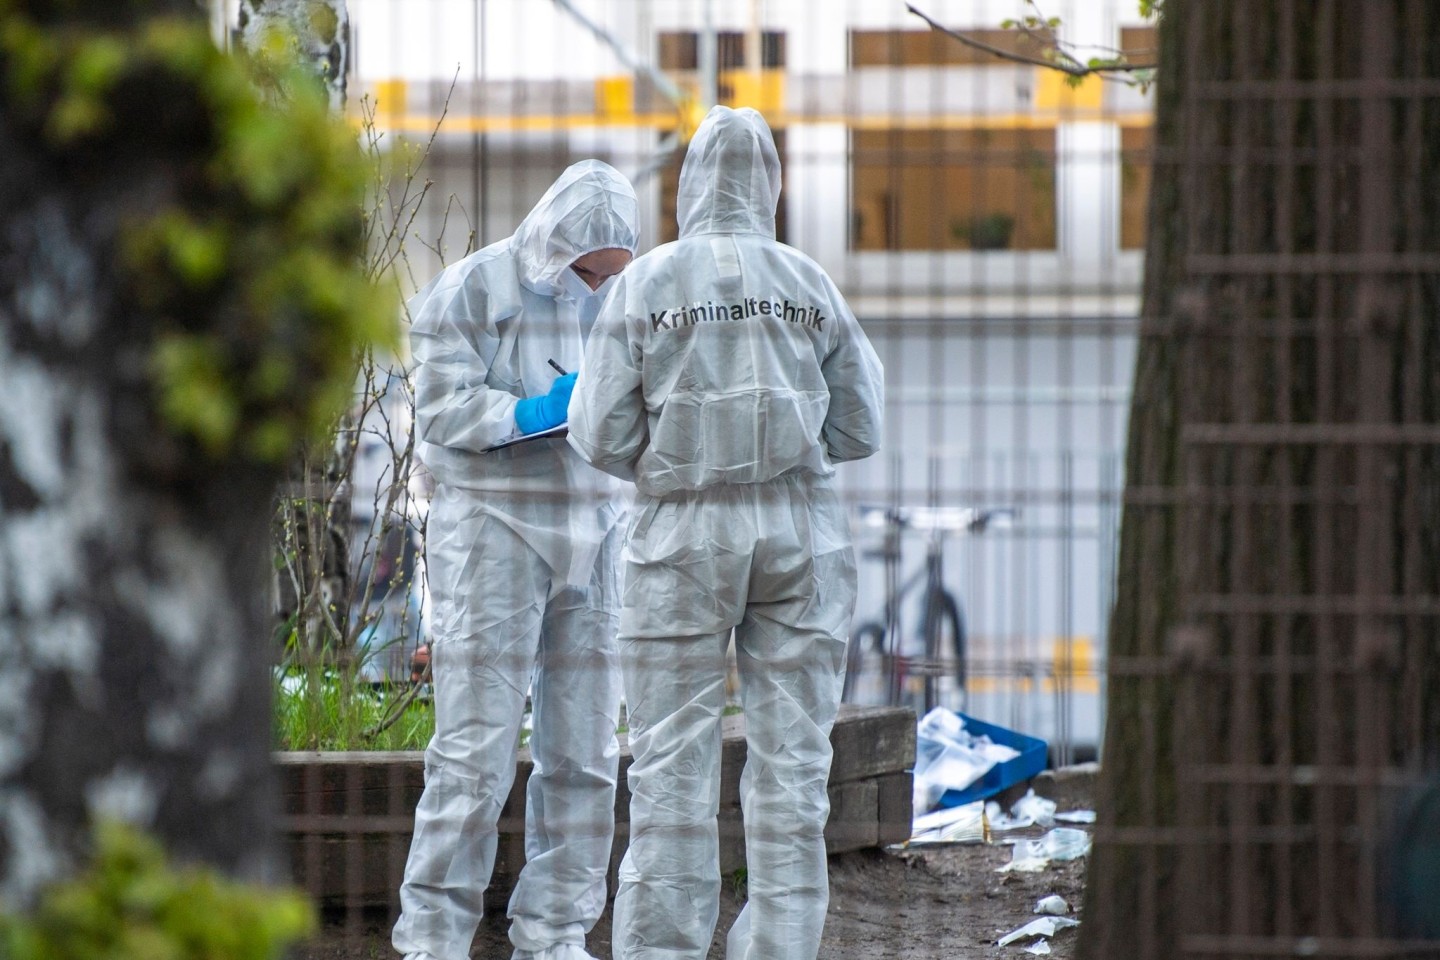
730,182
590,207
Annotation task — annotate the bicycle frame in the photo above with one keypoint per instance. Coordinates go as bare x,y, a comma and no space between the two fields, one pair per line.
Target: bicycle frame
937,607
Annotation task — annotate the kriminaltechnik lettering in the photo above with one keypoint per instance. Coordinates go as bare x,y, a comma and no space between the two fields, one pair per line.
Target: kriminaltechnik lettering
710,311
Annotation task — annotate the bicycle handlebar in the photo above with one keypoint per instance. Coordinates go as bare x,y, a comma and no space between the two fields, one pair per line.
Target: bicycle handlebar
966,519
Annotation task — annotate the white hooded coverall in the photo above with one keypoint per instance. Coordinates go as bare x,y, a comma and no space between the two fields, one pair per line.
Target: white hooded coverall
522,554
726,375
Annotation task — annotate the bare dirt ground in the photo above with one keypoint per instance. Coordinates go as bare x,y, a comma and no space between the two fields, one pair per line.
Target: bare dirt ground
931,903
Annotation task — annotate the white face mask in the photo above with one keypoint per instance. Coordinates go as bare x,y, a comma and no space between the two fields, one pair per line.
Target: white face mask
573,287
605,285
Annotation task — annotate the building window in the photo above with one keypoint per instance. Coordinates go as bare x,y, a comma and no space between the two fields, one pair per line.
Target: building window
980,189
670,187
680,50
1135,144
930,48
1141,45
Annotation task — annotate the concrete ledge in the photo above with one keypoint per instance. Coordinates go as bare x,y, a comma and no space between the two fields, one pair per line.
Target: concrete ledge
348,816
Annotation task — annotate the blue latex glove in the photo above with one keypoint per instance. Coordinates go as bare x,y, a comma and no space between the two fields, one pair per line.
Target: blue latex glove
534,414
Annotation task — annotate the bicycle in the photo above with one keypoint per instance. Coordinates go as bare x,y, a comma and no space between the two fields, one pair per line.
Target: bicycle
942,620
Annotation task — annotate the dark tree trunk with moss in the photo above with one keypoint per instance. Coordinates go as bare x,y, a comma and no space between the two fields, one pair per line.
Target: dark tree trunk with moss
1274,645
162,352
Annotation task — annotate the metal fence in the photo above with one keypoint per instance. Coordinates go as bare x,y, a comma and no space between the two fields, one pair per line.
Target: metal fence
984,220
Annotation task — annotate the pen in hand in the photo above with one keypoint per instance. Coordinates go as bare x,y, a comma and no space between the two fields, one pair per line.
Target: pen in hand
558,369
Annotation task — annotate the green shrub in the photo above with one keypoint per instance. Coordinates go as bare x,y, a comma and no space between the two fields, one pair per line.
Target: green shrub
131,904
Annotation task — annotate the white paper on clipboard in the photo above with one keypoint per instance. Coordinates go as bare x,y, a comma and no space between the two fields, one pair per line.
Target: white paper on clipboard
560,431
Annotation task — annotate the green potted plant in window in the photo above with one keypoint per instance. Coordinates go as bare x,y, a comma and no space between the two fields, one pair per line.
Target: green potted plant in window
988,231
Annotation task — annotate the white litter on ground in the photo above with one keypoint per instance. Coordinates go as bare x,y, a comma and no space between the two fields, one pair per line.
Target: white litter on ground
1044,927
962,824
1060,844
1025,812
1054,905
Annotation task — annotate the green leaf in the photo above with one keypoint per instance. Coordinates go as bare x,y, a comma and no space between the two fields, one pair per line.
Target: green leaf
76,116
32,58
196,251
96,65
195,396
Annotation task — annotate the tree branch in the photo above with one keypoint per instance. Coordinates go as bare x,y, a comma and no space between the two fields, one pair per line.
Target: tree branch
1069,65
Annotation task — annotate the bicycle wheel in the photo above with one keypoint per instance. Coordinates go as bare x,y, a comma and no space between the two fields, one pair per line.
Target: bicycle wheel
865,661
945,643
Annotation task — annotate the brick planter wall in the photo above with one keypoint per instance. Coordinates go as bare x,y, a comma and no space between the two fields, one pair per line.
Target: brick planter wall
348,816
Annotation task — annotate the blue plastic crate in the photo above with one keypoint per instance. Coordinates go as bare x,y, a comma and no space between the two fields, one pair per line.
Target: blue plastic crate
1032,759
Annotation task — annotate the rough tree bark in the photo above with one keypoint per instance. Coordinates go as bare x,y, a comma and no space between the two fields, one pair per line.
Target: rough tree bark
160,356
131,600
1274,643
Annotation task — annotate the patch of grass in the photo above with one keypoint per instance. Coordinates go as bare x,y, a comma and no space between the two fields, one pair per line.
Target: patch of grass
739,883
323,710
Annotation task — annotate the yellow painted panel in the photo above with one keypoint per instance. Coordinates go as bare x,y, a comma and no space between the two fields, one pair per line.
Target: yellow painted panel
615,96
1053,93
1080,672
390,96
1081,668
1000,684
763,90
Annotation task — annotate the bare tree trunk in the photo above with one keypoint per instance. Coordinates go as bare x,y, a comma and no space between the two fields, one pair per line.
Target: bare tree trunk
1274,641
134,680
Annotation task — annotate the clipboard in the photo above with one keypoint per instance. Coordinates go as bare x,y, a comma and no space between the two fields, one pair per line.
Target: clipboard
562,430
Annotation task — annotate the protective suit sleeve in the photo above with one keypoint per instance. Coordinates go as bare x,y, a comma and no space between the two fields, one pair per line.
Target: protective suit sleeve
608,426
453,405
856,381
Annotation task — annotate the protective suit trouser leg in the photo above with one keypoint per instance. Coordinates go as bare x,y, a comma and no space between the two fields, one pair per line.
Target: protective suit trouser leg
491,596
669,894
570,798
774,561
790,682
489,591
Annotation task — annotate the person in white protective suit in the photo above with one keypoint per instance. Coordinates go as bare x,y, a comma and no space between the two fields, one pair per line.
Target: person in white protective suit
726,375
522,553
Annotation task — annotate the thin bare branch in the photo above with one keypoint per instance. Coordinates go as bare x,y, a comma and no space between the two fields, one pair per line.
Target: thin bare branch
1076,71
1066,63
